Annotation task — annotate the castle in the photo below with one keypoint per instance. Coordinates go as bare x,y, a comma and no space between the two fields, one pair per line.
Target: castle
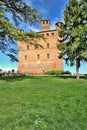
37,60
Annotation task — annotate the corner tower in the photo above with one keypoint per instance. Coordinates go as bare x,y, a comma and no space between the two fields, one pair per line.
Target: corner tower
45,24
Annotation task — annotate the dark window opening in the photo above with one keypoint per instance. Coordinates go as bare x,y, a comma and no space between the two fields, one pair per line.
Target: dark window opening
48,45
48,56
27,47
46,22
38,56
35,46
25,57
52,34
47,34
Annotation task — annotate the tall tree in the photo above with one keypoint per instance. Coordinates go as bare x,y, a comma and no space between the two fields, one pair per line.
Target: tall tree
19,12
74,33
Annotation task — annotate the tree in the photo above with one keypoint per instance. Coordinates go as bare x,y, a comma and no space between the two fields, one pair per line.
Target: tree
74,33
13,71
0,70
19,12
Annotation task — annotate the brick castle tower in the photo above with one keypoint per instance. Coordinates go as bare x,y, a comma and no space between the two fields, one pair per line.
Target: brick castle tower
36,60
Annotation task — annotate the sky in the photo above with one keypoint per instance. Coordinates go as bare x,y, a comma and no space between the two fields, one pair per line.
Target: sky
52,10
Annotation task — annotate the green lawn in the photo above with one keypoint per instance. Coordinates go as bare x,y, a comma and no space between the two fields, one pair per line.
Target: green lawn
43,103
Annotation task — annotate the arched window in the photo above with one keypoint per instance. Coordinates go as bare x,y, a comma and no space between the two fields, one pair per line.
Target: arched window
35,46
48,45
48,56
52,34
27,47
47,34
46,22
25,57
43,35
38,56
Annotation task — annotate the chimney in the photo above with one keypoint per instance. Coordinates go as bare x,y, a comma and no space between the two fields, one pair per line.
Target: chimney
45,24
58,25
20,30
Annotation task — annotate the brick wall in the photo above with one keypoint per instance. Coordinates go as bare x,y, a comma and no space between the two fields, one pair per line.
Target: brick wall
40,60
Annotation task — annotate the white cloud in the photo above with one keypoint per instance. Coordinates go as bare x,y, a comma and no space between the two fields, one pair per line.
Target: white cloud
38,28
32,28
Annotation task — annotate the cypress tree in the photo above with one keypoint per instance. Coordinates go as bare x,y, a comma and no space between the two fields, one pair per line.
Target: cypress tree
74,33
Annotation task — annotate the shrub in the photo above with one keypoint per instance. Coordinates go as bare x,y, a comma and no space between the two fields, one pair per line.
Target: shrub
66,72
0,70
54,72
12,70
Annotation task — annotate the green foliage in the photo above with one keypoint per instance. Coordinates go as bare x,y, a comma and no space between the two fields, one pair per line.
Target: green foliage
54,72
66,72
12,70
57,72
0,70
74,32
43,103
20,12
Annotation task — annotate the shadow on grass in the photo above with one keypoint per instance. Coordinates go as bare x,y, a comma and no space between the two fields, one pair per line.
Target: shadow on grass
21,78
66,77
18,78
71,77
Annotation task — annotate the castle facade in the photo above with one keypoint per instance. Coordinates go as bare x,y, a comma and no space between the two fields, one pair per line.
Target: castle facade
37,60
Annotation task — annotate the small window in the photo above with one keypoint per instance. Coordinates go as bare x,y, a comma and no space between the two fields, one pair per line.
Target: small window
25,57
43,22
52,34
27,47
46,22
47,34
38,56
48,45
42,34
48,56
36,46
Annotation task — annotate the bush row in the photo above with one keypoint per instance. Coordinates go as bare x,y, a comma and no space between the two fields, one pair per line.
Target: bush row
57,72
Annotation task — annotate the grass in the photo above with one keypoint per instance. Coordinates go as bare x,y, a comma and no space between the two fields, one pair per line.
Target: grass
43,103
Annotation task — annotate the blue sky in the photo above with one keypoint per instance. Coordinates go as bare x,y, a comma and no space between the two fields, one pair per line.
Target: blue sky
50,9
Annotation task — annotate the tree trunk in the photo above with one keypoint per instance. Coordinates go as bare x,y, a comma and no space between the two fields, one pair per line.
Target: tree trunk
77,68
